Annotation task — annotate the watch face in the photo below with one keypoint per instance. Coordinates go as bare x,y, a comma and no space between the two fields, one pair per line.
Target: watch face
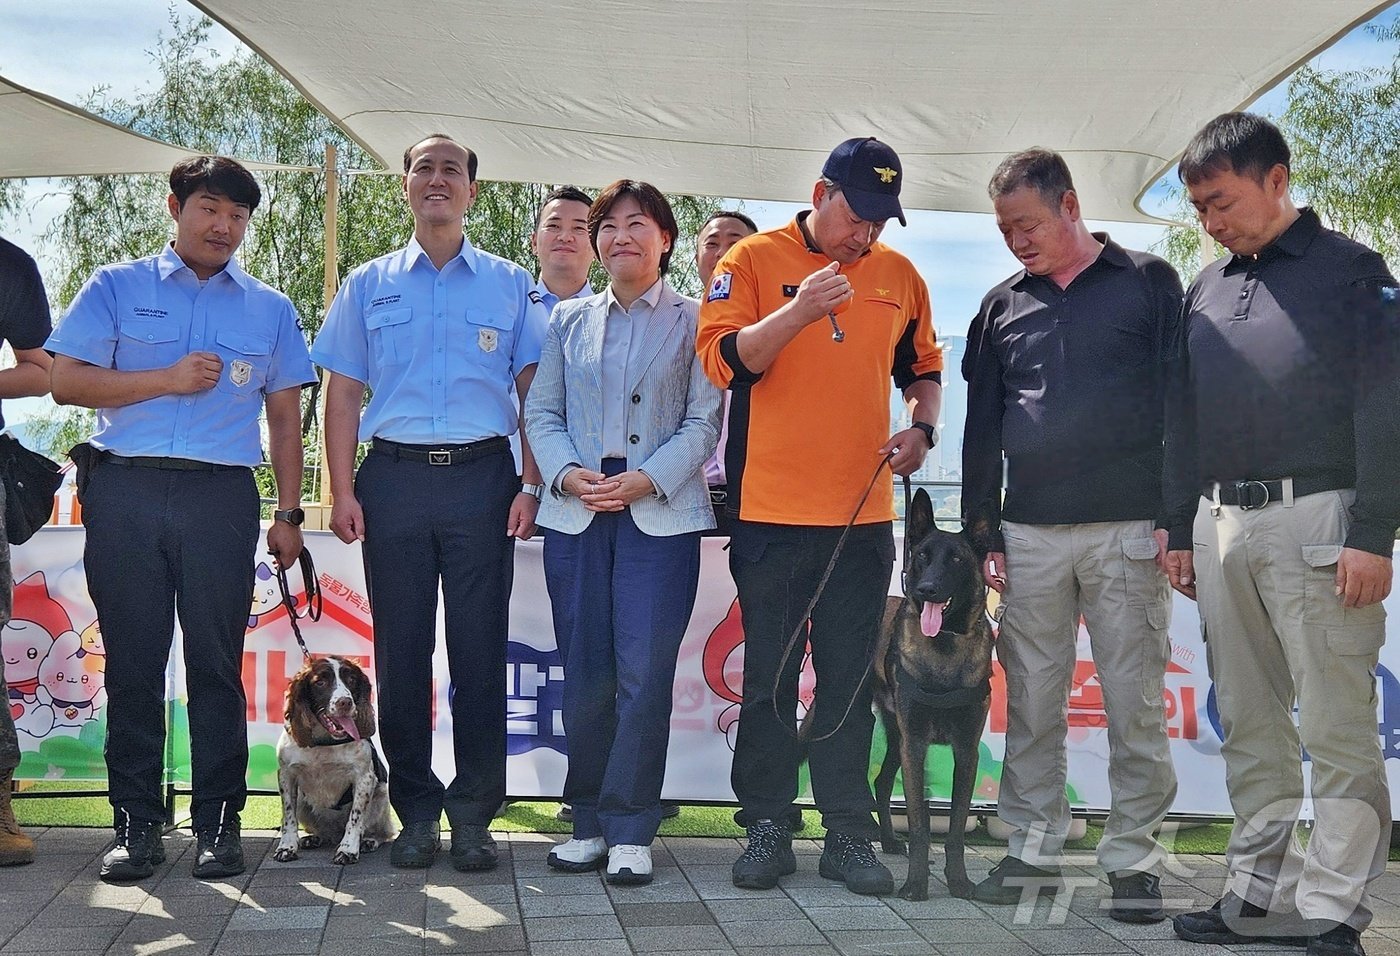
292,516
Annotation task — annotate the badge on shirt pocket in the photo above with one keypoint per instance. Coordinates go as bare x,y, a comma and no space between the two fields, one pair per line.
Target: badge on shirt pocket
240,372
486,339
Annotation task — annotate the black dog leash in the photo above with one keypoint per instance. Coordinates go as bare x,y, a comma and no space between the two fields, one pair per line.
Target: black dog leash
314,602
803,734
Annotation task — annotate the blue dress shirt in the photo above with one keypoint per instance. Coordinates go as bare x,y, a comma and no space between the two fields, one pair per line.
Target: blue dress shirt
623,332
440,350
550,300
151,313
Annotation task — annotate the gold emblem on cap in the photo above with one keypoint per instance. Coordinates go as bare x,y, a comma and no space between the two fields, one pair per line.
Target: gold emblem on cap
886,174
882,291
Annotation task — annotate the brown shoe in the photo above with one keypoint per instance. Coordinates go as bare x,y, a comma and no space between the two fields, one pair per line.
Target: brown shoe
15,847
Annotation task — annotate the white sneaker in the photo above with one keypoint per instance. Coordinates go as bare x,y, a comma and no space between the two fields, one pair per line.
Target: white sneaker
629,865
579,856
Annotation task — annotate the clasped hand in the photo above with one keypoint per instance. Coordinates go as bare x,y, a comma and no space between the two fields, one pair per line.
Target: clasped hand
600,493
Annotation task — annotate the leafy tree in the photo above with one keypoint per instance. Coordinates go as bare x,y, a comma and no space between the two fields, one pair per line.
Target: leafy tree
1341,127
241,106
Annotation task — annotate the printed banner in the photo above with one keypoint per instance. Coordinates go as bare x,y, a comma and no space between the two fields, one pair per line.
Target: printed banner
54,661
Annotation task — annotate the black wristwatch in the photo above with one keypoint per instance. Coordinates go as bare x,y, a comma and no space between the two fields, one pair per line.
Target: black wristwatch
293,516
930,432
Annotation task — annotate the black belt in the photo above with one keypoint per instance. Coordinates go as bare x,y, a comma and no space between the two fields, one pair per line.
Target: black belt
166,464
1251,493
440,454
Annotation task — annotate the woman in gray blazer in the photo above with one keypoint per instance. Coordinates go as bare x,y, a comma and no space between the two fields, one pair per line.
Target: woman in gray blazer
621,419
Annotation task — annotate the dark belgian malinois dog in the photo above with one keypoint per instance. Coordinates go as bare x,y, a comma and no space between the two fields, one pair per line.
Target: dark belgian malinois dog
933,667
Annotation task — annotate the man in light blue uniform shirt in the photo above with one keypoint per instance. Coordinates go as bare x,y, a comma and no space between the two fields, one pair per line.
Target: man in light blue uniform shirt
440,332
179,353
560,243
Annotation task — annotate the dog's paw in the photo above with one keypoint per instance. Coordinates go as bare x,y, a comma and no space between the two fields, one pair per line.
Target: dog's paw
345,857
961,888
285,854
894,847
369,845
311,841
914,890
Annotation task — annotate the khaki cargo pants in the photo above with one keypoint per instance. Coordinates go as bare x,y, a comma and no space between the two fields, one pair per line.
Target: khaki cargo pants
1276,635
1106,572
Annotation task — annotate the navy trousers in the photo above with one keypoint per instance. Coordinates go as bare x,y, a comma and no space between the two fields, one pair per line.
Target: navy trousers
621,601
776,569
162,543
428,526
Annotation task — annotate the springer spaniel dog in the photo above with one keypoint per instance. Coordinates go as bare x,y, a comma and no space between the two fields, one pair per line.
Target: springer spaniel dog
331,778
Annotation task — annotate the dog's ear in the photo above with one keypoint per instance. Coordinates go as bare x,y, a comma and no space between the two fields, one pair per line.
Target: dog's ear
364,702
979,537
918,523
301,722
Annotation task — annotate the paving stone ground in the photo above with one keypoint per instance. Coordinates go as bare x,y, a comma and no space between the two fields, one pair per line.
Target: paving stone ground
57,905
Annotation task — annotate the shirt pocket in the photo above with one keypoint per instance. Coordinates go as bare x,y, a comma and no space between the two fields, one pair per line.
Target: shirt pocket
145,344
490,337
246,357
390,336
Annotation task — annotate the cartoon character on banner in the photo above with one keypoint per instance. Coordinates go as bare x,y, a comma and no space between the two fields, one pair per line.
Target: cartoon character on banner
723,666
72,674
36,624
267,596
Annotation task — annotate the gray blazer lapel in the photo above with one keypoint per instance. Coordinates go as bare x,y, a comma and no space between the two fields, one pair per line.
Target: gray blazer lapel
663,320
593,325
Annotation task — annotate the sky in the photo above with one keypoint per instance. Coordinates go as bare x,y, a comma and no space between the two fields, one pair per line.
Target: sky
106,43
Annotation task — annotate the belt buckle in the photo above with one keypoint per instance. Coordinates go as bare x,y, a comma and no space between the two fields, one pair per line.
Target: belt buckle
439,457
1245,491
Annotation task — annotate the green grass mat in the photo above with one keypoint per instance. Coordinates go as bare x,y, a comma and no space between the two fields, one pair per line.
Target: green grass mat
264,813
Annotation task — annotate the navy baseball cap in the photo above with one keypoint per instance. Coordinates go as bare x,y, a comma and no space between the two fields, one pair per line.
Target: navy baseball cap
870,175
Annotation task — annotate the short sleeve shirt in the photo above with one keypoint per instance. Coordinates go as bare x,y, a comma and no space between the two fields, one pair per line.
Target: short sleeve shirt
151,313
24,308
804,435
439,349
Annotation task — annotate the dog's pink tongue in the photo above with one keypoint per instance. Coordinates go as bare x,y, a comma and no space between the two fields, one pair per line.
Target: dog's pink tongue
931,620
347,724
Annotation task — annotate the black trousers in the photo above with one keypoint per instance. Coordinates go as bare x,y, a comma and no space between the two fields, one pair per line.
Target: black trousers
776,569
428,526
162,543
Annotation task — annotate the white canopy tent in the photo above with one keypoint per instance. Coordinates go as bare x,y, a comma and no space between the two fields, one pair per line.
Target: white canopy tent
44,137
744,98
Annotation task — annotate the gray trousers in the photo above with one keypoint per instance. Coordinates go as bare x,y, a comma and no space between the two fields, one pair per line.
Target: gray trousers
9,740
1276,634
1104,571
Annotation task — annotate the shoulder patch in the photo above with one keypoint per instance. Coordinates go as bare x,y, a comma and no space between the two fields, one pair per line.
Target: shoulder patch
719,287
535,297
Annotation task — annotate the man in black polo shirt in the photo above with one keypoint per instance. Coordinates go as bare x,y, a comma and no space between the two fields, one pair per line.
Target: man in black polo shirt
1282,445
1065,366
